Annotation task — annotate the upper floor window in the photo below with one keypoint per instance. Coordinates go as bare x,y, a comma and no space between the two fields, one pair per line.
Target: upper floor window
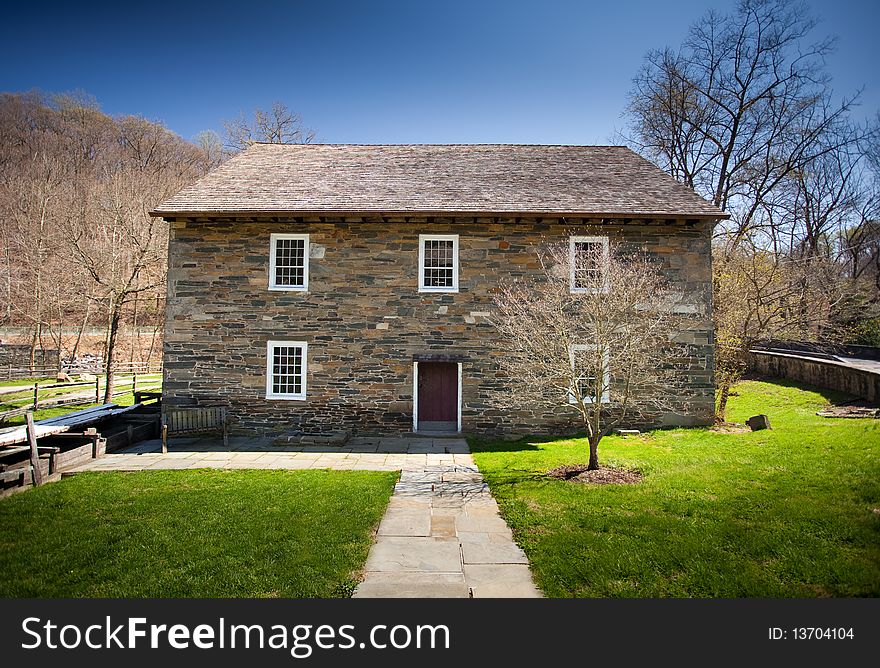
289,262
587,257
438,263
286,369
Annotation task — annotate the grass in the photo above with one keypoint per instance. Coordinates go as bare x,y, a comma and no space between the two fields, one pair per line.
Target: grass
202,533
790,512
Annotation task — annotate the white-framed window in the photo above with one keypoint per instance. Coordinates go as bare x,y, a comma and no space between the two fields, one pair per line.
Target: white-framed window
286,364
588,373
438,263
586,257
289,262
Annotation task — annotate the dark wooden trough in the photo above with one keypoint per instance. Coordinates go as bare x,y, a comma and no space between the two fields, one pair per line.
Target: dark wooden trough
41,451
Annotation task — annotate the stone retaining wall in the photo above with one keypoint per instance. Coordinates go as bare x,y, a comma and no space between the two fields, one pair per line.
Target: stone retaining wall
824,349
15,356
830,374
365,321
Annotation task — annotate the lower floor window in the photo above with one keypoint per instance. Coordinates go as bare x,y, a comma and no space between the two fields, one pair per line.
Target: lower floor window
286,369
591,376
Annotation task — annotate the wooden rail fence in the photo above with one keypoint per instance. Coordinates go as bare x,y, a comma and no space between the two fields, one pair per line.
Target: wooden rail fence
8,372
123,386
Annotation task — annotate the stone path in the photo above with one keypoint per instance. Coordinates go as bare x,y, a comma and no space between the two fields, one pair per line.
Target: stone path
441,537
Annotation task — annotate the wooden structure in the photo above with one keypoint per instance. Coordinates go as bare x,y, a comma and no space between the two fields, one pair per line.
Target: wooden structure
36,451
201,419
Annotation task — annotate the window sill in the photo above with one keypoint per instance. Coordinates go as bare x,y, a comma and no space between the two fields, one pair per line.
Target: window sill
439,290
285,397
589,402
288,288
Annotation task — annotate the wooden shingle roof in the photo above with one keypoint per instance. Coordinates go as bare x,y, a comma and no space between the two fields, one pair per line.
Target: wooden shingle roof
438,179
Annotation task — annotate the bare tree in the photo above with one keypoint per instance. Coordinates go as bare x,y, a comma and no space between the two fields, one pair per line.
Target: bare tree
212,146
860,241
760,296
75,189
34,178
741,106
109,230
743,112
861,248
593,338
277,125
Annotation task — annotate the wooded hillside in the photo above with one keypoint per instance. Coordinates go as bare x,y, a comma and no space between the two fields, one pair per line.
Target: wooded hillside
80,252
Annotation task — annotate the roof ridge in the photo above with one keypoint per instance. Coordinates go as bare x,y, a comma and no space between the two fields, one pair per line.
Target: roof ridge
428,144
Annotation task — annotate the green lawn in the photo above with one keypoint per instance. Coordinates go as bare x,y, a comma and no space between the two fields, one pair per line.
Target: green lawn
191,534
791,512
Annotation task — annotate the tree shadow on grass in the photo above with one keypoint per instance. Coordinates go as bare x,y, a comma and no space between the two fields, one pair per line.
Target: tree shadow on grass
510,476
527,443
831,396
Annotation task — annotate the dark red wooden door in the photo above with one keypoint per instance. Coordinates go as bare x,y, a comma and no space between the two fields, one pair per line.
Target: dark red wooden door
438,392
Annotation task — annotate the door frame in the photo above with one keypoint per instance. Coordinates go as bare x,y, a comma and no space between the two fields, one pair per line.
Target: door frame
416,396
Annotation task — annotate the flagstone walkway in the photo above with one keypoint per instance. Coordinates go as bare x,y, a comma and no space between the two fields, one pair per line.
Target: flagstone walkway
441,537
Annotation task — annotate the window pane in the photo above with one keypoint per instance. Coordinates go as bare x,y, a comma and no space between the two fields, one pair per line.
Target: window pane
587,258
587,386
290,262
287,370
439,263
591,373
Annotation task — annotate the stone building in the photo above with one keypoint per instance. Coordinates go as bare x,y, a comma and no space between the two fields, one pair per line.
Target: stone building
348,288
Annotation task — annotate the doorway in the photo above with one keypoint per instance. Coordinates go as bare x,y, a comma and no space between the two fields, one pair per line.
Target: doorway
438,391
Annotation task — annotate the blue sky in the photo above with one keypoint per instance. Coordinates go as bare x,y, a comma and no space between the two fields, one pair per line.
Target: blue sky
545,71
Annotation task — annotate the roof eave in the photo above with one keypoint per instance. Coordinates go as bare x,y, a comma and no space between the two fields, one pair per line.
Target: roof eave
264,213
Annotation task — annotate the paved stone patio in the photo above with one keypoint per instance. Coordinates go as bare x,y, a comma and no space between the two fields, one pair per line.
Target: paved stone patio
441,537
366,454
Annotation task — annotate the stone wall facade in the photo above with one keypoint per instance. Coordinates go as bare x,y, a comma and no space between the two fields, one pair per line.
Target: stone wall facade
16,358
365,321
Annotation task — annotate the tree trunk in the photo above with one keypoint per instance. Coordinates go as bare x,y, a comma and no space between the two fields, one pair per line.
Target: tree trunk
57,340
34,339
152,346
108,326
115,314
594,454
721,414
8,314
135,338
79,335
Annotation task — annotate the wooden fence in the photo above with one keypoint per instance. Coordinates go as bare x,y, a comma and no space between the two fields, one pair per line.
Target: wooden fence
82,393
8,372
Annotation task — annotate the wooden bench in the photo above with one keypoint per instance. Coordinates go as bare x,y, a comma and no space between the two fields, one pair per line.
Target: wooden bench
142,396
179,421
